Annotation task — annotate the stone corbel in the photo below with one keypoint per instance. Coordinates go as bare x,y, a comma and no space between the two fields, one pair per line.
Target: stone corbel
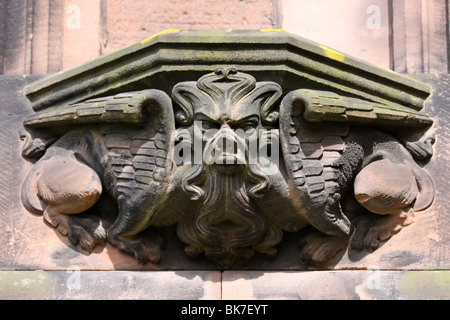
235,138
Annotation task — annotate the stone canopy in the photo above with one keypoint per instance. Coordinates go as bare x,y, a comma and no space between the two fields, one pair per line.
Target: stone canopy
172,56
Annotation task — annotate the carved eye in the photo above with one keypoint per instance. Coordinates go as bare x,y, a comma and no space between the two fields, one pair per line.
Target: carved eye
248,127
209,130
207,125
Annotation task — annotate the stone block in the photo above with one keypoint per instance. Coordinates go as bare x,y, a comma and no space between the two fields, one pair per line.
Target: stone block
141,20
371,284
81,32
74,284
397,269
27,242
359,28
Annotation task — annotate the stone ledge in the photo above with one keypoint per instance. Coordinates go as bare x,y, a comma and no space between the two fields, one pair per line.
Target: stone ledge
74,284
371,284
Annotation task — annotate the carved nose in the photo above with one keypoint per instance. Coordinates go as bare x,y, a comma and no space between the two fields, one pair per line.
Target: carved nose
229,145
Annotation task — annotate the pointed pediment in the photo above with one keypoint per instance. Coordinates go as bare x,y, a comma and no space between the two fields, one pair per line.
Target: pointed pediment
161,61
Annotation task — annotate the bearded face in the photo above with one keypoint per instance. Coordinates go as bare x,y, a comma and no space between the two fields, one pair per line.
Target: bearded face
227,123
229,130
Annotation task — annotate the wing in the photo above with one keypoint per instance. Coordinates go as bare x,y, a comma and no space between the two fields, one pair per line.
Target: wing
140,156
126,107
313,125
309,149
137,128
319,106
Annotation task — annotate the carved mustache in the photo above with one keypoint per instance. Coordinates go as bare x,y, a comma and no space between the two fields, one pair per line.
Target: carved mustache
253,172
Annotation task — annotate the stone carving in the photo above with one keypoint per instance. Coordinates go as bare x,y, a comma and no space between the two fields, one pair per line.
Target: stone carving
233,163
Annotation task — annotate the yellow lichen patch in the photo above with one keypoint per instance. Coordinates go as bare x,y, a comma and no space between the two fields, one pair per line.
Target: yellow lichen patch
425,285
26,285
332,54
169,31
272,30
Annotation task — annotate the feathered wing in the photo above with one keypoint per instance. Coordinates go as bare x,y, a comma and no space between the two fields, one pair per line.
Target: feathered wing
136,129
139,155
309,151
140,158
313,125
126,107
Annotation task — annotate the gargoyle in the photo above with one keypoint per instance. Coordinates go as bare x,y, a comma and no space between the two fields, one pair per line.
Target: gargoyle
233,163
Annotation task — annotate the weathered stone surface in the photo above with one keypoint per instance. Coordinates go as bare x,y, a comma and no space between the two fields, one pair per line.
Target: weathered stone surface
27,244
360,28
74,284
175,55
43,36
125,27
371,284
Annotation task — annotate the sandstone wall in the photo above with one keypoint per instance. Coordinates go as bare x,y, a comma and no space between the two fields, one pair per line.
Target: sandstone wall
45,36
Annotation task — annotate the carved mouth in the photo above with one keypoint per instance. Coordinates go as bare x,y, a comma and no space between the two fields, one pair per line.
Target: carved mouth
226,163
227,168
226,158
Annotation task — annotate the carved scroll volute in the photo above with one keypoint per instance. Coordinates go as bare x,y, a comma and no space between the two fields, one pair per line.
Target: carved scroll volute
222,89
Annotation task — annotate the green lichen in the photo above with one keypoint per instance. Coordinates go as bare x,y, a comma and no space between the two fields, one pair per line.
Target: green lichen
25,285
421,285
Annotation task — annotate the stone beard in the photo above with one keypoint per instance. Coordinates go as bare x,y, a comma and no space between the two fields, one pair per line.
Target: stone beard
228,224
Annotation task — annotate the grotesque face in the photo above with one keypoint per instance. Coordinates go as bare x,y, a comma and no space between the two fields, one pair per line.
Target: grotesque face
224,114
227,111
227,127
226,139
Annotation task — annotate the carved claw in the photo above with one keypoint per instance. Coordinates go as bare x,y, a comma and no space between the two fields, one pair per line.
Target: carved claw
145,248
330,219
317,248
34,148
84,231
372,230
423,148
